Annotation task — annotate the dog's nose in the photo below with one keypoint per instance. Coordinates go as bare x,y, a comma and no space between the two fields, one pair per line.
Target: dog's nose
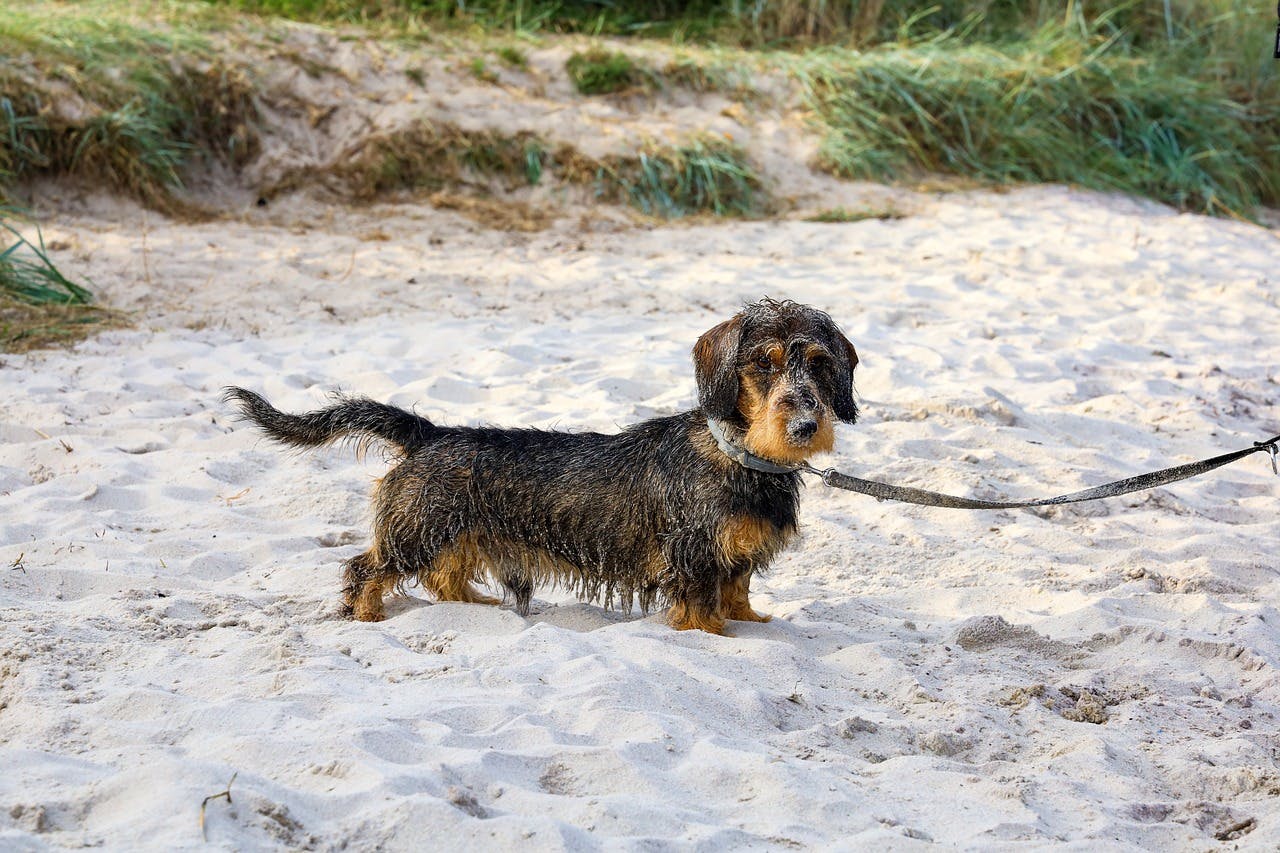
802,429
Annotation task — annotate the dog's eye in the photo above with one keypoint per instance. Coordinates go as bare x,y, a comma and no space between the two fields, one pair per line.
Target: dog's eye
765,363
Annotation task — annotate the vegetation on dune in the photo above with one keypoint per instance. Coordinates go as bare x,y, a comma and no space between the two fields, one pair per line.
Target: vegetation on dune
1056,108
786,22
704,175
1154,99
431,156
27,274
38,304
120,104
512,57
836,215
1177,101
700,175
603,72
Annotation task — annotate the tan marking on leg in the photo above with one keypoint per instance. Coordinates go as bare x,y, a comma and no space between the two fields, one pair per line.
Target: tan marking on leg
367,604
450,575
733,596
684,618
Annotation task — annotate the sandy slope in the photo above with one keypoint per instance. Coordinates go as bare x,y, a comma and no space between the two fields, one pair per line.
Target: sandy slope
1103,675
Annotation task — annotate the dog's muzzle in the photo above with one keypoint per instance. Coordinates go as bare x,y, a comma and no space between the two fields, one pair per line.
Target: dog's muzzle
803,423
802,428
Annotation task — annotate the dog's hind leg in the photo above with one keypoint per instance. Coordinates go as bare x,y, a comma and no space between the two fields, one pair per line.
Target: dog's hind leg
518,585
367,581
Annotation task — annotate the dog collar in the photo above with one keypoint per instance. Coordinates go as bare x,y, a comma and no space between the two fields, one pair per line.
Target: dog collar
741,455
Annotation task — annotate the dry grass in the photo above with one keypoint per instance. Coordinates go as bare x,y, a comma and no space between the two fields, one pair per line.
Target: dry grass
25,327
117,104
499,214
701,175
39,305
428,156
835,215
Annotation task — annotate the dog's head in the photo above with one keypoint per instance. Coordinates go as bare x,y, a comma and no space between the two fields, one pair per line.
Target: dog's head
781,372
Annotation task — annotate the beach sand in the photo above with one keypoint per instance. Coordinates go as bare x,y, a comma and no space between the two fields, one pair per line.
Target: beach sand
1103,675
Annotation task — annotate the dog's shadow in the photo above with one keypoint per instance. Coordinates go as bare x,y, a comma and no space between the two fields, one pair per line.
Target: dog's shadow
579,617
571,616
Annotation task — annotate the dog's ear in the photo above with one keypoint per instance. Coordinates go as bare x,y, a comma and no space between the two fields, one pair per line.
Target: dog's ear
842,395
715,364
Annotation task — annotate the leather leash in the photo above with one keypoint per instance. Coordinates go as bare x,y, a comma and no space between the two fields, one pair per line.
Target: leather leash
924,497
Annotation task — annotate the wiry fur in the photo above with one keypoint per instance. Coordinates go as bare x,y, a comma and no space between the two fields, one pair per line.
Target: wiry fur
653,515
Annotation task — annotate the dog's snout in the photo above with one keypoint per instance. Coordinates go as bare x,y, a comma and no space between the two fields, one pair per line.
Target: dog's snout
801,400
802,429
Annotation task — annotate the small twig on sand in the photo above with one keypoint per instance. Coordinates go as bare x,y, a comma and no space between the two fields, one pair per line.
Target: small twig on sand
1237,830
17,563
146,264
351,266
228,499
205,802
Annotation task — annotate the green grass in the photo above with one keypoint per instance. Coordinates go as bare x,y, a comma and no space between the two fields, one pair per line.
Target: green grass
602,72
512,57
27,274
1113,96
481,71
1056,108
789,23
836,215
120,104
700,175
681,21
39,305
704,175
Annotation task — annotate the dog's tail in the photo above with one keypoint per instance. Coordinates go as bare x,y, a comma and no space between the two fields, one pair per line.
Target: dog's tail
352,418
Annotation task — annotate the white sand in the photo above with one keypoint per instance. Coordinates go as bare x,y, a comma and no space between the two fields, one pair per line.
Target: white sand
168,582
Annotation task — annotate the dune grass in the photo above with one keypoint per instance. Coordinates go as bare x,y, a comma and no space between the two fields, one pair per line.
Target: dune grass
512,57
39,305
787,23
28,275
429,156
601,72
842,215
1055,108
1182,107
121,104
703,175
700,175
1179,102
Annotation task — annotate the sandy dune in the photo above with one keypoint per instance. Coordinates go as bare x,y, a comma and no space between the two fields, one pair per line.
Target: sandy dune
1103,675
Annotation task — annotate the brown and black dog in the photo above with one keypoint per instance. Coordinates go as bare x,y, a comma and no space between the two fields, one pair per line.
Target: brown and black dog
657,513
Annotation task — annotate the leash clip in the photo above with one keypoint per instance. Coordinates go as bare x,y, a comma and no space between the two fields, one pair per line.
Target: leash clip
823,473
1271,448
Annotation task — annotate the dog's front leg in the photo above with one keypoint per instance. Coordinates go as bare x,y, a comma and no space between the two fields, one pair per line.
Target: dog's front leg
695,591
734,598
